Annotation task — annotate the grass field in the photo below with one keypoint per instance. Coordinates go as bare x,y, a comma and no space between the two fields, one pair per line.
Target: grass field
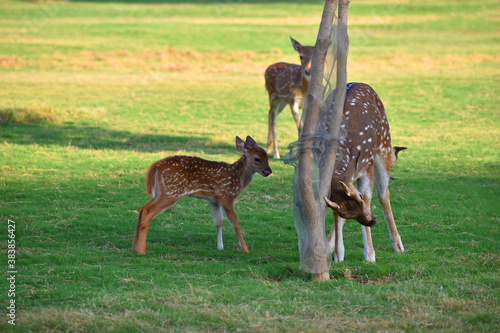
93,92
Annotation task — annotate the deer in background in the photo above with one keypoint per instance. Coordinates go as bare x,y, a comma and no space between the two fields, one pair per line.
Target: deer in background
287,84
219,183
366,156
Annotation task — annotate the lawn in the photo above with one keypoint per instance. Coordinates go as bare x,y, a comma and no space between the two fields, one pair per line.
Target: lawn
93,92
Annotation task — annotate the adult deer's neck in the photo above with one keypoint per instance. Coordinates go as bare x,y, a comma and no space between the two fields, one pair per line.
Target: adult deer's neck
344,170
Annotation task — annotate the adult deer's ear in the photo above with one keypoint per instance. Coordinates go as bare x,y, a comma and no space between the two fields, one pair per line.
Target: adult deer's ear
346,188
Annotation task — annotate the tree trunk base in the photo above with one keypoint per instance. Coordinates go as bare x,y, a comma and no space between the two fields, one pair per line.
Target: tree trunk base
321,276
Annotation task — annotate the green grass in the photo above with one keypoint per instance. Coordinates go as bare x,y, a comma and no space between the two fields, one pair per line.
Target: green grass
93,92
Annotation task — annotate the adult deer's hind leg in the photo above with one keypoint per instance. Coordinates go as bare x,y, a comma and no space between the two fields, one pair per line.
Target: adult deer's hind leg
382,177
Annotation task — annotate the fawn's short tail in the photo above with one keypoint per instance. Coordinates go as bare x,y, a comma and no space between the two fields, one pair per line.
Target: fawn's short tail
152,180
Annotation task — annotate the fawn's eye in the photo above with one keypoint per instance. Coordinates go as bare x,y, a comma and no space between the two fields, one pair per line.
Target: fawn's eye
361,196
257,160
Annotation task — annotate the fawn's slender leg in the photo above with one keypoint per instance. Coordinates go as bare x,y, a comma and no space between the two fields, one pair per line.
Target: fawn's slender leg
147,213
233,218
216,210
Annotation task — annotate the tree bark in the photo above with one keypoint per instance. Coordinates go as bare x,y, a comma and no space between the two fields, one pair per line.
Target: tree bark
338,107
314,208
315,227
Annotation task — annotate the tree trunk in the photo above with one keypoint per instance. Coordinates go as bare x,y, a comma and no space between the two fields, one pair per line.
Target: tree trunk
314,208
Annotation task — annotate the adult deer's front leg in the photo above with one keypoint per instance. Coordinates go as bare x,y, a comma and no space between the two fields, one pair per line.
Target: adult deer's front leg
365,187
336,239
233,218
369,251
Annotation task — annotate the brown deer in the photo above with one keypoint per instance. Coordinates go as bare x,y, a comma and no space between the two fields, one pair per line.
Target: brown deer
219,183
287,84
366,156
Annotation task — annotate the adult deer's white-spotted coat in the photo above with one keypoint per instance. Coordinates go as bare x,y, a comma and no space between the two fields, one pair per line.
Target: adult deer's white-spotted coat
366,159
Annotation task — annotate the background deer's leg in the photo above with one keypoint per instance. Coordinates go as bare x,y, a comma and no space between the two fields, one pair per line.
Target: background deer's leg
294,107
382,182
276,106
271,118
146,214
235,222
216,210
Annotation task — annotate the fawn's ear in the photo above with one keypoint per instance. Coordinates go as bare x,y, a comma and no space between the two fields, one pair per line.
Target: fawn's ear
240,145
250,142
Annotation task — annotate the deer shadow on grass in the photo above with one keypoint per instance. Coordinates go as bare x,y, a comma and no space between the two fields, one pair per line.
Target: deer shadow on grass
95,137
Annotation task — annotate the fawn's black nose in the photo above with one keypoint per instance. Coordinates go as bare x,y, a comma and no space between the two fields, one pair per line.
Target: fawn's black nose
267,172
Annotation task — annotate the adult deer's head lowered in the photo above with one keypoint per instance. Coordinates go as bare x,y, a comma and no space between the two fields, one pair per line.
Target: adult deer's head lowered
349,202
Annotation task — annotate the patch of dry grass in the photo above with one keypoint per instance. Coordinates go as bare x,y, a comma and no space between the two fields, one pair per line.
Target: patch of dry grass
173,60
165,60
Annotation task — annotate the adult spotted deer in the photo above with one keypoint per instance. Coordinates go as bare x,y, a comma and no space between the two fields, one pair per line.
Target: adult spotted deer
287,84
366,156
219,183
